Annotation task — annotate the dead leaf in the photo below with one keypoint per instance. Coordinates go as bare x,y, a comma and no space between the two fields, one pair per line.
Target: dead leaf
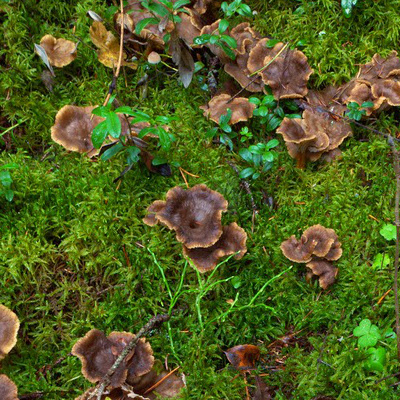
262,390
243,357
185,66
108,46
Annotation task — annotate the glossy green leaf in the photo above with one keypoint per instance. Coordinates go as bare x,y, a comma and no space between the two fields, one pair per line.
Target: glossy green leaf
388,231
113,125
144,22
112,151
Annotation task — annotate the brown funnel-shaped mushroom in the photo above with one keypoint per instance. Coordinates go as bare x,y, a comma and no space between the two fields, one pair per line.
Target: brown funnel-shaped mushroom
380,67
305,138
388,90
361,93
232,240
194,214
8,389
246,39
325,270
285,71
9,325
325,242
74,125
241,108
60,52
98,353
73,128
317,246
190,26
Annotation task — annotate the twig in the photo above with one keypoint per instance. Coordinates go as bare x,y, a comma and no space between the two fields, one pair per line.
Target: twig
101,386
396,165
113,84
387,377
160,381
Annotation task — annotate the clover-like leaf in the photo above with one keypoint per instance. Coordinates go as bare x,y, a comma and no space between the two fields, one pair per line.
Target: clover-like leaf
368,334
376,360
388,231
381,261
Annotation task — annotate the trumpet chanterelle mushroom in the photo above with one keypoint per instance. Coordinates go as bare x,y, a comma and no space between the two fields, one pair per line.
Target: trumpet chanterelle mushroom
232,240
317,247
194,214
8,389
9,325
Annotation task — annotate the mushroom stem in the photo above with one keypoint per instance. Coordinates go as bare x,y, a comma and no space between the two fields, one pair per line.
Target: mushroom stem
301,160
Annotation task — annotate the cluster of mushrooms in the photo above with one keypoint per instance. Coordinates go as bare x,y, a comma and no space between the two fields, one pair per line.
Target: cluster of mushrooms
9,326
139,376
195,216
317,248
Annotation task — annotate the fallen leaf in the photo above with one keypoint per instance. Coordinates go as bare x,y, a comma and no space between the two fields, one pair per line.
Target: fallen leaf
243,357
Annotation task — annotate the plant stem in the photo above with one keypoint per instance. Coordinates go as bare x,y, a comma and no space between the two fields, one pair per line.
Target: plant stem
396,166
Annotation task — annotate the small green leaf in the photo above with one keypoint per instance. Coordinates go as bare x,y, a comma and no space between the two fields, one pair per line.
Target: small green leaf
9,195
272,143
144,22
99,133
133,155
246,154
245,10
367,104
376,360
228,51
245,173
113,125
202,39
180,3
165,140
112,151
388,231
125,110
255,175
368,334
381,261
254,100
225,118
159,161
230,41
223,25
236,282
102,111
5,178
347,7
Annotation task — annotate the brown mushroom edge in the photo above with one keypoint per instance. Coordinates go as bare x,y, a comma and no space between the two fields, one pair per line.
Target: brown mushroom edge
8,389
232,240
9,326
60,52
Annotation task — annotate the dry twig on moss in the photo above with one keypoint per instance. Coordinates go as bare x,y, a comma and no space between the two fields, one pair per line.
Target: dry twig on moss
102,385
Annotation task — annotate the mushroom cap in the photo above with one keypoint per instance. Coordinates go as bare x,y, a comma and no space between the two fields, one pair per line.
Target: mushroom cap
152,210
325,270
142,360
245,36
362,92
60,52
388,90
190,26
8,389
243,357
241,108
322,239
98,353
154,58
73,128
258,54
297,250
328,99
380,67
315,241
232,240
194,214
288,74
9,325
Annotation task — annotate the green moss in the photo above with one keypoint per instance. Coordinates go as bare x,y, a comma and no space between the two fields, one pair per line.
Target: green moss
63,268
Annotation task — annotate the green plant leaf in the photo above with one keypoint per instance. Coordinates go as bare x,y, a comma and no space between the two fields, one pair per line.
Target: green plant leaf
165,140
236,282
9,195
388,231
230,41
125,110
112,151
381,261
133,155
347,7
99,133
368,334
101,111
144,22
376,360
246,155
180,3
245,173
113,125
272,143
367,104
5,178
223,25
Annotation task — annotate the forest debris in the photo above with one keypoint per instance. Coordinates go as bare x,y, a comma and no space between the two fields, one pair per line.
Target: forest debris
60,52
243,357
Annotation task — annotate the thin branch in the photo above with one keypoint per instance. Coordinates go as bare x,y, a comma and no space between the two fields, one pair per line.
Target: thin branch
113,84
102,385
396,165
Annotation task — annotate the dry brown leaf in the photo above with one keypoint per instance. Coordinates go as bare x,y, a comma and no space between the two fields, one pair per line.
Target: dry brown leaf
108,46
243,357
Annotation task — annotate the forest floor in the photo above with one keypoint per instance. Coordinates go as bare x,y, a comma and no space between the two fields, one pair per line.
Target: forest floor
76,255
